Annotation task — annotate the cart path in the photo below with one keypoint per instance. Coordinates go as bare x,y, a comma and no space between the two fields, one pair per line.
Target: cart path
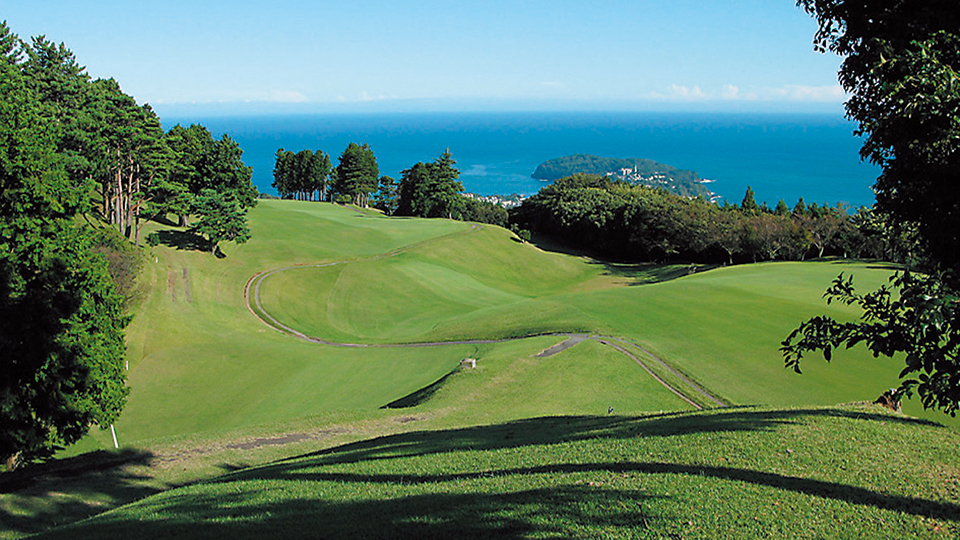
689,389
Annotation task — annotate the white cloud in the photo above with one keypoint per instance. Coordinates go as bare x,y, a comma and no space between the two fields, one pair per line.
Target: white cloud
286,96
811,93
731,92
680,92
364,97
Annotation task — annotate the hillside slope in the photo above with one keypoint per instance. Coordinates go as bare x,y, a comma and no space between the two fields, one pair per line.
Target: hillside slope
850,472
216,389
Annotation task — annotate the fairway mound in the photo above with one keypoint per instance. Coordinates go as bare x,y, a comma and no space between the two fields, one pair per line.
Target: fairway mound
737,473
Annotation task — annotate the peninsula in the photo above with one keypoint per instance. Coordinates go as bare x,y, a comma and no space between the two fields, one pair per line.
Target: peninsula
637,171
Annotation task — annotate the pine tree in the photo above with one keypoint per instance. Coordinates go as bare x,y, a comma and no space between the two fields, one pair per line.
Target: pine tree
749,205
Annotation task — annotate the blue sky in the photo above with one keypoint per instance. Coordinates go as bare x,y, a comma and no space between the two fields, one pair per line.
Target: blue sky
359,55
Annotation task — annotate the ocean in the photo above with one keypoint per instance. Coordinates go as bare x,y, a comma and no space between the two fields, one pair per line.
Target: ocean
781,156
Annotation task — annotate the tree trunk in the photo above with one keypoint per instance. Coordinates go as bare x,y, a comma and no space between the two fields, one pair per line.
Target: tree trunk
11,462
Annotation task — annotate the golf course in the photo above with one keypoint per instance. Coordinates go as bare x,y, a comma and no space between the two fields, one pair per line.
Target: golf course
311,384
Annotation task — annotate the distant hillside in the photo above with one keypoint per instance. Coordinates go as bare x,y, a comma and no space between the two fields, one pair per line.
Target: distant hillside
634,170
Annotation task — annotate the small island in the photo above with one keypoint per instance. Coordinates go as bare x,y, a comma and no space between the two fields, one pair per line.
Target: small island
637,171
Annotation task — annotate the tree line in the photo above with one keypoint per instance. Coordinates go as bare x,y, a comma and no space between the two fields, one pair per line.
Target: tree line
82,168
628,222
425,189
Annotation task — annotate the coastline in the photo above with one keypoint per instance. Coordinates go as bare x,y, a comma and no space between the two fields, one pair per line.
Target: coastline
814,156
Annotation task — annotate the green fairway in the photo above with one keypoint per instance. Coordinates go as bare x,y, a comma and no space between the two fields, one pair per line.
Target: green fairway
722,328
201,361
207,371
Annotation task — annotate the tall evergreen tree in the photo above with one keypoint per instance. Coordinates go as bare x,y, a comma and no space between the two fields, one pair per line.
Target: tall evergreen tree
356,175
431,189
221,218
283,173
318,174
386,197
749,205
800,208
208,163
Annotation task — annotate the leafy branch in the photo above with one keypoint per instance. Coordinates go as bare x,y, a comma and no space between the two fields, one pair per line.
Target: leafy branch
916,315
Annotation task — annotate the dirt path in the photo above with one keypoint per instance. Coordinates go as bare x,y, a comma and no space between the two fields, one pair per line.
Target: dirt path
572,340
251,295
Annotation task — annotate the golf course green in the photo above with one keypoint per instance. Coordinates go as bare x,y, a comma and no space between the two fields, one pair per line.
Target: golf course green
202,360
310,383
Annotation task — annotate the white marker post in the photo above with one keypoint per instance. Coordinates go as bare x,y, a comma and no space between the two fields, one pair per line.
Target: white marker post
114,433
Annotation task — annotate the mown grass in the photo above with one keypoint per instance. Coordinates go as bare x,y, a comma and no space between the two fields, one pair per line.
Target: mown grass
210,380
721,327
851,472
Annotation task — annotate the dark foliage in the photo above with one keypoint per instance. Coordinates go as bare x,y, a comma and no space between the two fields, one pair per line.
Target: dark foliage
636,223
900,68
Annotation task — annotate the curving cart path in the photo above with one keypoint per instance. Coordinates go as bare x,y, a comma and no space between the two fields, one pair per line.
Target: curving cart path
686,389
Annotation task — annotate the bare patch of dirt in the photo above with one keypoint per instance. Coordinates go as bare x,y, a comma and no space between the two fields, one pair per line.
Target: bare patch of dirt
186,285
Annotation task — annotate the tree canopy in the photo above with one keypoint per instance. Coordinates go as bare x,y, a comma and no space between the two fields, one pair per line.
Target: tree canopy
301,175
61,319
81,163
356,175
221,218
431,189
628,222
900,69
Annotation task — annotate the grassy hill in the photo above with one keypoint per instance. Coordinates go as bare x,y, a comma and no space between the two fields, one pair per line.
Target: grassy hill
523,444
849,472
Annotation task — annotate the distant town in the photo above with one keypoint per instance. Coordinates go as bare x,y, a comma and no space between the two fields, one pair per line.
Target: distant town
506,201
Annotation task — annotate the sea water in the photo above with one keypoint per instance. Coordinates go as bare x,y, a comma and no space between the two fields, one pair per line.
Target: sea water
781,156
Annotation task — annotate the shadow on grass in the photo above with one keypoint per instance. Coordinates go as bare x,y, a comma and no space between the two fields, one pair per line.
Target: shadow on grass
71,489
182,240
543,513
560,429
648,273
638,273
807,486
165,220
420,396
463,497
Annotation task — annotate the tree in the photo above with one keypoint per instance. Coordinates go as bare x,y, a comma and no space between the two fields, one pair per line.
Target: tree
749,205
301,175
431,189
283,174
61,338
61,320
800,208
781,209
900,69
221,218
356,175
385,198
208,163
318,168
